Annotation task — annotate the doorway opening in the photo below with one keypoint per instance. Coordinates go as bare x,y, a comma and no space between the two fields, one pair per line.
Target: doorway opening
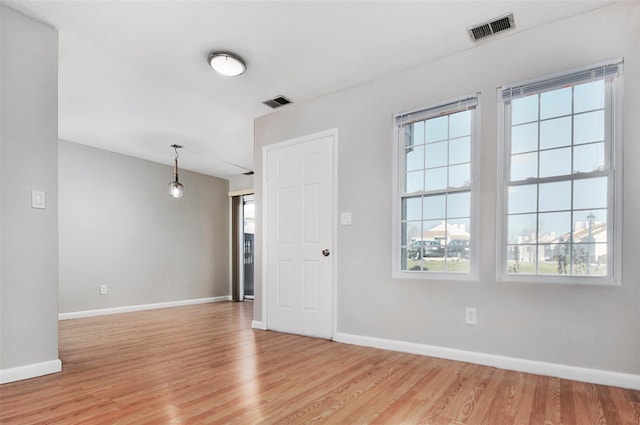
248,236
242,246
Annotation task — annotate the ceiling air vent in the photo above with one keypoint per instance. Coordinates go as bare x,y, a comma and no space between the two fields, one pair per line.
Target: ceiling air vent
277,102
495,26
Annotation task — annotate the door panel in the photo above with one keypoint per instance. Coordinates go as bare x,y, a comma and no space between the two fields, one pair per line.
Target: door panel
299,226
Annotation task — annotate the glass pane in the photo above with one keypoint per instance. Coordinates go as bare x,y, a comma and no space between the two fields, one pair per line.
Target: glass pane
551,261
403,234
590,226
434,263
555,196
556,162
433,229
410,259
555,229
415,182
437,154
458,248
522,199
403,259
459,205
436,129
590,193
460,150
521,228
415,158
589,96
524,138
412,208
580,258
521,258
524,166
553,225
459,228
436,179
418,132
460,124
588,158
588,259
408,135
599,259
524,109
560,255
555,133
460,175
588,127
555,103
457,264
513,259
411,232
434,207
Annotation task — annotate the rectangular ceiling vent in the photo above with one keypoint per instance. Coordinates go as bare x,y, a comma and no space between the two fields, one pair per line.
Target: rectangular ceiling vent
495,26
277,102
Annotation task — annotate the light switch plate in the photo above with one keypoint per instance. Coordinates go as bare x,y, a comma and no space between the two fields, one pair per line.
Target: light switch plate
345,218
38,199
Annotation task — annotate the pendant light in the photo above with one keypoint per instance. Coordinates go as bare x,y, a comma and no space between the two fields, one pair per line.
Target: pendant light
175,187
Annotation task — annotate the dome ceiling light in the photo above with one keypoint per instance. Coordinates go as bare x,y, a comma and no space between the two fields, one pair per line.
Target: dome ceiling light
227,64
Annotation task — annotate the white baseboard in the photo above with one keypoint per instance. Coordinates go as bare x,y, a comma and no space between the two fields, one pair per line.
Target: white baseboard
130,308
256,324
30,371
595,376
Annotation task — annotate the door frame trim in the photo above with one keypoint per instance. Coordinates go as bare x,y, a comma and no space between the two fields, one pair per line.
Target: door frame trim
333,133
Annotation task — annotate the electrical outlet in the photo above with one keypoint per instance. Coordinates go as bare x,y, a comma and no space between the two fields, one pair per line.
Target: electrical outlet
103,289
470,316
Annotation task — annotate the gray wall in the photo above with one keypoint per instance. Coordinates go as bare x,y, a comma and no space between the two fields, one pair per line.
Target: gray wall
120,228
587,326
29,145
240,183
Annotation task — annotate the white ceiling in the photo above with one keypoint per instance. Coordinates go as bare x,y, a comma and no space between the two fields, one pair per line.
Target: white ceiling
133,76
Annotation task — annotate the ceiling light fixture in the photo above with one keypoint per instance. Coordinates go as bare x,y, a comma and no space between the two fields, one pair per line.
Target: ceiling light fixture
175,187
227,64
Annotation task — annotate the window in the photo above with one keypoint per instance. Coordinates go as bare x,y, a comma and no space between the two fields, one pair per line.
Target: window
433,206
561,181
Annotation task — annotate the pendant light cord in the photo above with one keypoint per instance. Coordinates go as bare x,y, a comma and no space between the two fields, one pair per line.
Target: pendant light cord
175,161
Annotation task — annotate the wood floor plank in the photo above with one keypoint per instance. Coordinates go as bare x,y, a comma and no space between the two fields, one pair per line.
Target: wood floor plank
567,406
203,364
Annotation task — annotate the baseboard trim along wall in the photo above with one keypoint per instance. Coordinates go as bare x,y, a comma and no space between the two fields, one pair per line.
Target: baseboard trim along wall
141,307
257,324
30,371
595,376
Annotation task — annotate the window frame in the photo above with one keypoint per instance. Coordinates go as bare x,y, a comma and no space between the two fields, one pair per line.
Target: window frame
416,115
613,129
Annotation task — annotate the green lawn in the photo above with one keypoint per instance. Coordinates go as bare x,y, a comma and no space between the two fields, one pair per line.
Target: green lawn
455,265
551,267
438,265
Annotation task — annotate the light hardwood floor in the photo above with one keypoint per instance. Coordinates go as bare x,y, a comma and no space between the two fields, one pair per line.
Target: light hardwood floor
203,364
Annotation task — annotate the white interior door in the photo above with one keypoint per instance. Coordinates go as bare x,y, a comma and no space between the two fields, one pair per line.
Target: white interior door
299,237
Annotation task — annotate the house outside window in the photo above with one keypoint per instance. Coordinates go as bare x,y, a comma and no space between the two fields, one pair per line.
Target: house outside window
433,202
561,183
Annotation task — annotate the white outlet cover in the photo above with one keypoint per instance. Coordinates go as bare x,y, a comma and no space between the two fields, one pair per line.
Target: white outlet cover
345,218
470,316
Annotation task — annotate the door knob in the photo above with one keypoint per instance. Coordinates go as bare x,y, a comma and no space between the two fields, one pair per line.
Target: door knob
326,252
